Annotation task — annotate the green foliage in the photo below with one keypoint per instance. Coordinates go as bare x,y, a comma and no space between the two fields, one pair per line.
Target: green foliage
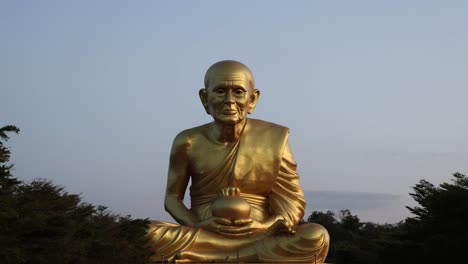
353,241
42,223
8,211
438,233
439,230
6,179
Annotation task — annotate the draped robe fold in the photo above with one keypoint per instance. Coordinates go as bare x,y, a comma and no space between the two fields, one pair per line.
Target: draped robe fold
261,165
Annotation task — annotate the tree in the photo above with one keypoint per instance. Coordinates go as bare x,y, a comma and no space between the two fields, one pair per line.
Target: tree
54,226
326,219
8,211
439,230
42,223
342,230
7,181
353,241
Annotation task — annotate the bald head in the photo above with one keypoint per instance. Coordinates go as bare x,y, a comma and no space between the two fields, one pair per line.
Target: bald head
231,68
229,93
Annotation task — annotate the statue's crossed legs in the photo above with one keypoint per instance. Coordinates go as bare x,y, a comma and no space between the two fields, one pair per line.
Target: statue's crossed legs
176,243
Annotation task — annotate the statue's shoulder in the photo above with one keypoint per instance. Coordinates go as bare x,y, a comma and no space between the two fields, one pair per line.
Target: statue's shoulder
261,126
262,136
188,135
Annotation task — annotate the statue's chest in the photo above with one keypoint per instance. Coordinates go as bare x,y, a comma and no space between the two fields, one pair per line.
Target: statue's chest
206,158
253,169
256,169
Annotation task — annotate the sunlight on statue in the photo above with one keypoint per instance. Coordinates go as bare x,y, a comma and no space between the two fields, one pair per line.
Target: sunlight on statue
246,199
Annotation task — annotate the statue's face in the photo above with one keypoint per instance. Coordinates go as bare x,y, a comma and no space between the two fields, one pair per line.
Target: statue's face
229,97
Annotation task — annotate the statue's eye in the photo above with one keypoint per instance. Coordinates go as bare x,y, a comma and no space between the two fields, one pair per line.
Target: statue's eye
239,92
219,90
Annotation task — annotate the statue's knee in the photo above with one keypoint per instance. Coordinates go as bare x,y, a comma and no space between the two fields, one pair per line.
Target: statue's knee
312,231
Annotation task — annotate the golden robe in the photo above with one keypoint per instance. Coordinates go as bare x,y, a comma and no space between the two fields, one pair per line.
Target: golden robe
261,165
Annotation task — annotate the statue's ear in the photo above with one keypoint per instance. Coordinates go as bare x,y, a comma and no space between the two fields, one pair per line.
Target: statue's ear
253,101
203,93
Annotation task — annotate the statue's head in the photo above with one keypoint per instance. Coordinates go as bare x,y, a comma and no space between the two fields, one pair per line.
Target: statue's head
229,93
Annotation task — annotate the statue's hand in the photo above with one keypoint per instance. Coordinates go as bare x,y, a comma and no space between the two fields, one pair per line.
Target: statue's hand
249,226
230,228
215,224
245,227
271,227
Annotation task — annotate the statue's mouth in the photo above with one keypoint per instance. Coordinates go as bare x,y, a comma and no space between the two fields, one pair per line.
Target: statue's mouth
229,112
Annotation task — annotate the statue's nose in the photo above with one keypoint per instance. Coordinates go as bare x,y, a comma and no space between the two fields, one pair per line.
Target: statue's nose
228,98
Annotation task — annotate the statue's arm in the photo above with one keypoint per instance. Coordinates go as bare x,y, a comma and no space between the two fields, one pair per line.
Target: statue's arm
287,196
286,200
177,181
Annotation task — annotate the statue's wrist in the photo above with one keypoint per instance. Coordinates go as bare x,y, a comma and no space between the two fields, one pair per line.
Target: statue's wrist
272,220
279,217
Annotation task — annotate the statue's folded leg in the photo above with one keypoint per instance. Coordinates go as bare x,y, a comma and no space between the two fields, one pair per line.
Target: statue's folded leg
168,239
309,244
173,242
185,244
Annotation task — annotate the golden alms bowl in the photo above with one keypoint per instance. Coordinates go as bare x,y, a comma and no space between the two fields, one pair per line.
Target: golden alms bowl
230,205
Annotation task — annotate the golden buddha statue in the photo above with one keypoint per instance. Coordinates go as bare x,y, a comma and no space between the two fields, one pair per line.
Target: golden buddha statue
246,199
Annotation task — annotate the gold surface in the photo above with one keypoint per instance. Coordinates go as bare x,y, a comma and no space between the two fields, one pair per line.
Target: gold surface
246,199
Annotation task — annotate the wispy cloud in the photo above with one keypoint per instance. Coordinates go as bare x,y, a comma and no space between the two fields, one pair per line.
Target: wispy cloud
375,207
334,200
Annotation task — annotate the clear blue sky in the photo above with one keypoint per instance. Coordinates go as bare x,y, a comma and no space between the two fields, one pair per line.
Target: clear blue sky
374,92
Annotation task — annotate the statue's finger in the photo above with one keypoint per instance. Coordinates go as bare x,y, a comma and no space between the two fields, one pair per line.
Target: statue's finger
238,230
241,222
237,234
222,221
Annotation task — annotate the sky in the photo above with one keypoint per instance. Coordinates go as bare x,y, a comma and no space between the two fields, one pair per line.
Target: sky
374,93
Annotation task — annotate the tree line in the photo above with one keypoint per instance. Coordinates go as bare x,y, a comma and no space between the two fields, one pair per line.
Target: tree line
437,233
42,223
